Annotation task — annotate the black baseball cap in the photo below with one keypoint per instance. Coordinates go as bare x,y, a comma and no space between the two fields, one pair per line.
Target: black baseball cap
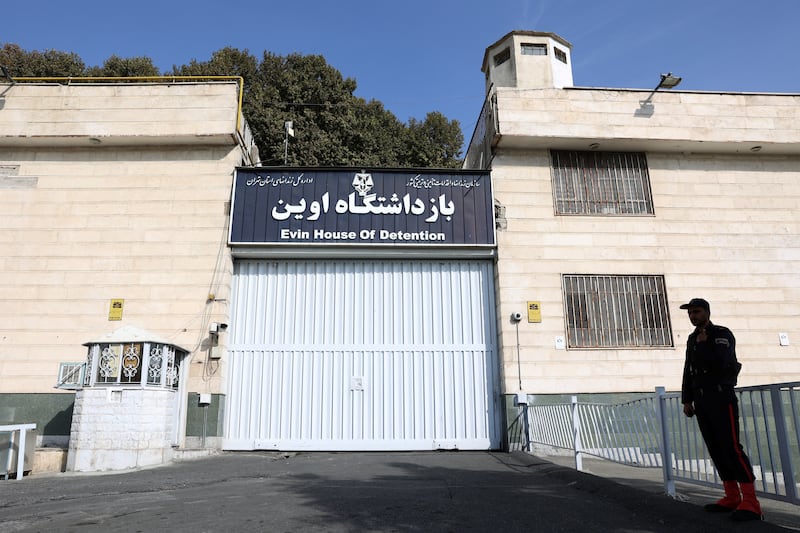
697,302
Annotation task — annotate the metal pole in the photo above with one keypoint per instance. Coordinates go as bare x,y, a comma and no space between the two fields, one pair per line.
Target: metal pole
519,364
576,429
21,453
666,452
783,443
527,426
205,426
285,146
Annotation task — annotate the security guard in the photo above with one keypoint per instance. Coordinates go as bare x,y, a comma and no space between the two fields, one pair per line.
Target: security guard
709,378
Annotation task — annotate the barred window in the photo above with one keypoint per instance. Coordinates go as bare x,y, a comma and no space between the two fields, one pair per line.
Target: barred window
134,363
502,57
601,183
533,49
560,54
616,311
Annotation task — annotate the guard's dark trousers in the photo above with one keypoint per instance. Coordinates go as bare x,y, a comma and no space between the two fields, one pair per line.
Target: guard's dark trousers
718,418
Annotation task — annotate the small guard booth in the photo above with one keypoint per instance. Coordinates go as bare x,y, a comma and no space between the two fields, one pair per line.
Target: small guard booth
362,311
127,413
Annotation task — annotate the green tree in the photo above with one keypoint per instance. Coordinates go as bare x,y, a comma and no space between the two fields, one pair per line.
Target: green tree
226,61
44,64
317,99
435,142
124,67
332,126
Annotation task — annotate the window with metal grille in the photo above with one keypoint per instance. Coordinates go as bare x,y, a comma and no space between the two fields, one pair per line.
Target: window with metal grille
601,183
616,311
71,375
137,363
502,57
560,54
533,49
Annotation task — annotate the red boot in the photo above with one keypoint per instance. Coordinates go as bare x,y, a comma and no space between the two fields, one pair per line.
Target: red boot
730,502
749,509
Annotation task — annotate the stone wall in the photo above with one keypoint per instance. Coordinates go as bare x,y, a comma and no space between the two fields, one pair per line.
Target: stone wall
113,192
118,428
726,228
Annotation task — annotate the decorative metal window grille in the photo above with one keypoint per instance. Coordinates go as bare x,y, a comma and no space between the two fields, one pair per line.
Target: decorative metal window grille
139,363
601,183
533,49
616,311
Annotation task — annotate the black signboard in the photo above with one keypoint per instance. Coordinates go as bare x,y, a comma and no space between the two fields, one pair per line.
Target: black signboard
361,207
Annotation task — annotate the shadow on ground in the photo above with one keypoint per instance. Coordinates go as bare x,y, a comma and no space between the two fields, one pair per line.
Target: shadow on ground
427,491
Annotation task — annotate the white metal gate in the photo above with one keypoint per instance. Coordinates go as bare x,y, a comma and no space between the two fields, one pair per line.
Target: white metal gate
362,355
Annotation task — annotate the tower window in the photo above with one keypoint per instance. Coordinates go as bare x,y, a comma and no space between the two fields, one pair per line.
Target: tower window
534,49
560,54
502,57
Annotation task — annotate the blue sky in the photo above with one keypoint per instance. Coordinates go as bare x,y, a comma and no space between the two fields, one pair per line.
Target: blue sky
418,56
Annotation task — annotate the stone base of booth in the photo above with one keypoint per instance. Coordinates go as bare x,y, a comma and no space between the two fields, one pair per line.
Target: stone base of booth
120,428
49,460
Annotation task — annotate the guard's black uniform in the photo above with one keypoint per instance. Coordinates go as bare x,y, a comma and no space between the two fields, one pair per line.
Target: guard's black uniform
709,377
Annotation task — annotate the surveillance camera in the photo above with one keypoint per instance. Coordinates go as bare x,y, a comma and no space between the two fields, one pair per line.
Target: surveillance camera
516,317
216,327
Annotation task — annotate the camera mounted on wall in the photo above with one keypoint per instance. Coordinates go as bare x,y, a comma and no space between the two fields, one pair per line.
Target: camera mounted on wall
215,328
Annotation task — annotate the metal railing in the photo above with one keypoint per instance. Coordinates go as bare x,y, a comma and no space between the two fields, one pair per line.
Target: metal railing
644,431
16,448
479,150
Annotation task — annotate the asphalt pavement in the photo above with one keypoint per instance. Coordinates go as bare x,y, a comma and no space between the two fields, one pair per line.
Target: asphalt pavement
450,491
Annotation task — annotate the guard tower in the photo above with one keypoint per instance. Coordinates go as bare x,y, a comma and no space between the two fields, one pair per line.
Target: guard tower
528,60
128,406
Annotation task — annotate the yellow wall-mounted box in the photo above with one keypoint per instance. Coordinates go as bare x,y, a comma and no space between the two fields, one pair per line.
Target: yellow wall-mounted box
534,312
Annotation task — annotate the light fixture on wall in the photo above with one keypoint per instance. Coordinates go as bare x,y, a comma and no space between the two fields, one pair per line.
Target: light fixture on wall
668,81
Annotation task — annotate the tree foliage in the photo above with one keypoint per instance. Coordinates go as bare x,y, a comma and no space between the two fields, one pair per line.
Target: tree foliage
128,67
433,142
46,64
332,126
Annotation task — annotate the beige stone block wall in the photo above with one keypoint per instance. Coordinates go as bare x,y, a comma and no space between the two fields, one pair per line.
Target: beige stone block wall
700,118
726,228
145,225
110,112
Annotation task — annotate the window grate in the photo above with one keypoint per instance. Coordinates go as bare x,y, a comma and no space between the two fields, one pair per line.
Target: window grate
601,183
502,56
533,49
616,311
150,364
70,375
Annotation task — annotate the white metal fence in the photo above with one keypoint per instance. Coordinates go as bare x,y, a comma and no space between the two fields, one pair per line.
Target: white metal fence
13,450
643,431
